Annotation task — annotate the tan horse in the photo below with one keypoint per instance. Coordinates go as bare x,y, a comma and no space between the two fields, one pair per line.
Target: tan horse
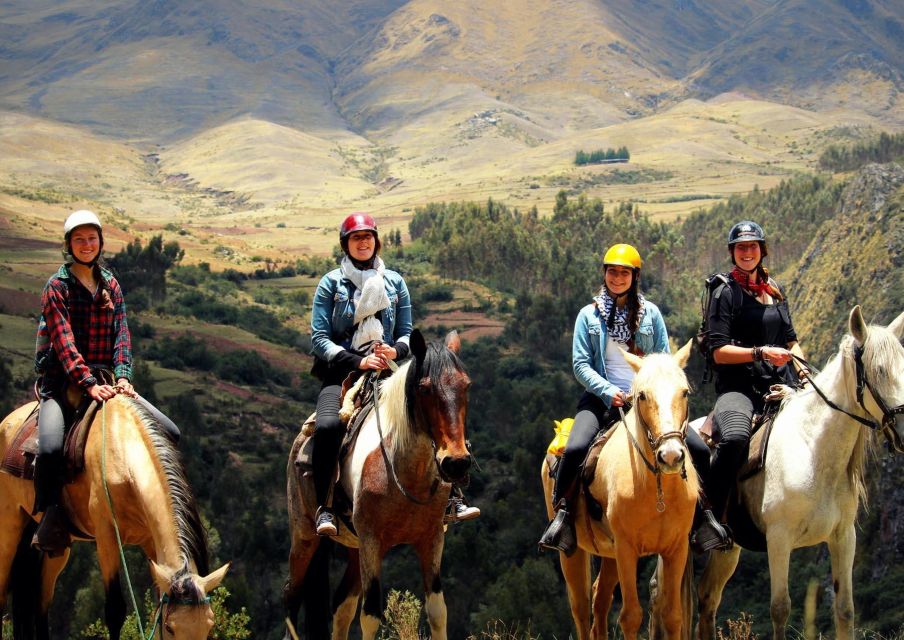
423,408
154,509
647,512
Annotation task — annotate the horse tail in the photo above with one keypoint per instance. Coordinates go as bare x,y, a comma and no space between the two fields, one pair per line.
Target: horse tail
316,590
25,586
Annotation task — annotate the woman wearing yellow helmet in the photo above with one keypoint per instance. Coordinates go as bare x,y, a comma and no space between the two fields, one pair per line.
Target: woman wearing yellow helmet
619,317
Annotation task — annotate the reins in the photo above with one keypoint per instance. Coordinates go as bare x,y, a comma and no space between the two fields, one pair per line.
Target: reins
888,413
387,460
654,466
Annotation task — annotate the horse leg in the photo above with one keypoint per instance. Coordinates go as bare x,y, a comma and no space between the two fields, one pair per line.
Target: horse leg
347,596
719,569
672,612
780,602
631,614
576,571
841,550
299,583
430,555
108,560
603,588
371,560
51,569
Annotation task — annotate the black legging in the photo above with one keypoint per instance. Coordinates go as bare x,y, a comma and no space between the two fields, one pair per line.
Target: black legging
732,416
592,417
328,433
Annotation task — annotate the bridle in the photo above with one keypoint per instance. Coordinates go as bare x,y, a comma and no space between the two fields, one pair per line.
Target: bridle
680,434
164,610
887,426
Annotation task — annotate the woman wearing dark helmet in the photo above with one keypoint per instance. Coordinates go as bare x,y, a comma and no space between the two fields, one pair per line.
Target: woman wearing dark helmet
618,318
82,331
361,320
752,342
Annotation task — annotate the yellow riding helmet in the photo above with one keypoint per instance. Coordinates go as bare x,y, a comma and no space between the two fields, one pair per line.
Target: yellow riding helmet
624,255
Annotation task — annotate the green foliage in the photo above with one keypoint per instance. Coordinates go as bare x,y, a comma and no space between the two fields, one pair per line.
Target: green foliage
227,626
886,148
6,388
600,156
142,270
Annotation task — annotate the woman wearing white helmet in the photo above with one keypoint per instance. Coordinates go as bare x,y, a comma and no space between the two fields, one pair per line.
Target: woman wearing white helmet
82,331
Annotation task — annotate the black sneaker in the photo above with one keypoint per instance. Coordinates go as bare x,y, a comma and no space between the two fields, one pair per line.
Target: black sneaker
711,535
326,523
559,535
457,511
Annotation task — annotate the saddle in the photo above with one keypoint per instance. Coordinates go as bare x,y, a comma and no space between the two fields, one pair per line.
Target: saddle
761,429
20,458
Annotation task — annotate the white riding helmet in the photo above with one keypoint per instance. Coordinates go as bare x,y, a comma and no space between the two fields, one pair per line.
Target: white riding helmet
79,218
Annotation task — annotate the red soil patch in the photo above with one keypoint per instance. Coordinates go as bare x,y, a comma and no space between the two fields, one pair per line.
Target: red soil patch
470,324
19,303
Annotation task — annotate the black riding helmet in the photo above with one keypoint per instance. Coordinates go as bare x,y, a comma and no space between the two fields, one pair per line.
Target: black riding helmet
746,231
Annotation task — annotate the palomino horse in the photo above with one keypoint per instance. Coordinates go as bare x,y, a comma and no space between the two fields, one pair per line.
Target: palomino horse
153,508
397,478
813,479
648,504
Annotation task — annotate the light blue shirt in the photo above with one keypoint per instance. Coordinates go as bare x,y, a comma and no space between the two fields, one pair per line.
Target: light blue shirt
588,348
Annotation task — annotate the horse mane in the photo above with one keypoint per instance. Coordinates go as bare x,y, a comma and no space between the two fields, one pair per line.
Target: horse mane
189,528
398,393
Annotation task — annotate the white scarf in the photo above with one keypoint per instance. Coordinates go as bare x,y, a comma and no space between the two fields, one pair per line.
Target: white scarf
370,298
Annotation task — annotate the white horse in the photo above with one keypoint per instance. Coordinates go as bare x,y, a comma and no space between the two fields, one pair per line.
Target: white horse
813,480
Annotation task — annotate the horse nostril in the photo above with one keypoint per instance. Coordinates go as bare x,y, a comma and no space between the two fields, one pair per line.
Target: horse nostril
455,468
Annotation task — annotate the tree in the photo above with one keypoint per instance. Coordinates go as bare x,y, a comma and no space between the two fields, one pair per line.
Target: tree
144,268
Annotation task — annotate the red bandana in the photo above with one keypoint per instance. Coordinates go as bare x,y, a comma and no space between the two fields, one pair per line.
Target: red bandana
756,288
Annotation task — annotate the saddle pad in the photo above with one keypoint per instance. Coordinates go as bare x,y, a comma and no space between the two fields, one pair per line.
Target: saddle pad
759,442
19,458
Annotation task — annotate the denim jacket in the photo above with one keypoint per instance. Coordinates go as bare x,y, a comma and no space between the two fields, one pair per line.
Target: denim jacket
588,353
333,317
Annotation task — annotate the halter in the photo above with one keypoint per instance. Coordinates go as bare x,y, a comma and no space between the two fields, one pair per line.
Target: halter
888,413
654,445
163,610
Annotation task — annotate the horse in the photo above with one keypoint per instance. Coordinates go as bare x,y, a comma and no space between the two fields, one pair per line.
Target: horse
813,480
397,478
128,454
648,506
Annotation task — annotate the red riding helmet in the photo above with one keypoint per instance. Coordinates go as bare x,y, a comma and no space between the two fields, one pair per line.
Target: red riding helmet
357,222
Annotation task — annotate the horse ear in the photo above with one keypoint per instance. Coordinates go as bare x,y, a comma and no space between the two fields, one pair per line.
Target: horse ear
162,576
213,580
857,325
897,327
684,353
453,342
418,345
636,362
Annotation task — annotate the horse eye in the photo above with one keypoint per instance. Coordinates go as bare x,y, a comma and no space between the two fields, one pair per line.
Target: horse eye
169,629
642,395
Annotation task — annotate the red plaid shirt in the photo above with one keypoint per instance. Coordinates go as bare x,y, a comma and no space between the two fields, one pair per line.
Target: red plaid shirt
79,331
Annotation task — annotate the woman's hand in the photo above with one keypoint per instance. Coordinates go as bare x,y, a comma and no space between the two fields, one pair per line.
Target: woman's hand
125,387
776,356
618,400
385,351
373,361
101,392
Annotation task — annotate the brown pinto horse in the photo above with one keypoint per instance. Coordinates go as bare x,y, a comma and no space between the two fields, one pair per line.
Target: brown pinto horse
153,507
397,478
648,504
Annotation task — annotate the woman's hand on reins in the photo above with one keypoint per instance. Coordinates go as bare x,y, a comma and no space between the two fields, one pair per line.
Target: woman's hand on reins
125,387
373,361
101,392
776,356
385,351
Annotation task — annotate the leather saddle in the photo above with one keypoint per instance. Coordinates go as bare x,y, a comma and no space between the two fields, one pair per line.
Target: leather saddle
761,429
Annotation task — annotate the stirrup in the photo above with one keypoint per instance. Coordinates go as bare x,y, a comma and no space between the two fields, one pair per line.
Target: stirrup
711,535
52,536
559,535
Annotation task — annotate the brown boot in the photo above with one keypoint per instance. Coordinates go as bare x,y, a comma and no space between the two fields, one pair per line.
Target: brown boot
52,536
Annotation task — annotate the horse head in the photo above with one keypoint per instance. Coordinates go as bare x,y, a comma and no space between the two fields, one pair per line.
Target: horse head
660,393
879,368
185,611
440,401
